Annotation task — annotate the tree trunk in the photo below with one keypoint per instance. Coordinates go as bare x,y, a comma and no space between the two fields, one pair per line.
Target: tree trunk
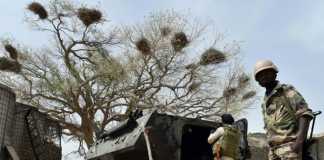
88,130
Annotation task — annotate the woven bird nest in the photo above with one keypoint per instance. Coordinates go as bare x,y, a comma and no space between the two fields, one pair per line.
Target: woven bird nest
243,80
89,16
229,92
194,86
179,41
212,56
165,31
12,51
144,46
191,66
248,95
9,65
38,9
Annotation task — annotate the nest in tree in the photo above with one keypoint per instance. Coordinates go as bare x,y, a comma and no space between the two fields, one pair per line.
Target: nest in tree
165,31
194,86
212,56
243,80
179,41
9,65
38,9
139,93
143,45
89,16
229,92
248,95
12,51
191,66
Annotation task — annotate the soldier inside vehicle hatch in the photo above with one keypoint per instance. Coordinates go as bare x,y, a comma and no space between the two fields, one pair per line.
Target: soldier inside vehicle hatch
225,140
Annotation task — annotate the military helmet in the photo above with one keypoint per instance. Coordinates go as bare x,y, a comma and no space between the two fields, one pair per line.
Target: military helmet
263,65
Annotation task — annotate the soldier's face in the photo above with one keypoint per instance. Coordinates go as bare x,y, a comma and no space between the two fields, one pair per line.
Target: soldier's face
266,77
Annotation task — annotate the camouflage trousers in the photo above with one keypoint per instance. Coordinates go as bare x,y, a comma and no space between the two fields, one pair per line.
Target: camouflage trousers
284,152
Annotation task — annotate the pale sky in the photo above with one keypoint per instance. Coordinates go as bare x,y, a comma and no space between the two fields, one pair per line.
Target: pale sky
290,32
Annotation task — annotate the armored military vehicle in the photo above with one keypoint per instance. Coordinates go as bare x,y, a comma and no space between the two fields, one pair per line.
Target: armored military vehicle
25,132
159,137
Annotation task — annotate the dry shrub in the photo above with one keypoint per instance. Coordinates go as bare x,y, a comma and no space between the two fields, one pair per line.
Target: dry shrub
212,56
9,65
89,16
143,45
179,41
38,9
12,51
248,95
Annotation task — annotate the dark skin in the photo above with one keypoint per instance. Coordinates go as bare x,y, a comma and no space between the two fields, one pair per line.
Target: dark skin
267,79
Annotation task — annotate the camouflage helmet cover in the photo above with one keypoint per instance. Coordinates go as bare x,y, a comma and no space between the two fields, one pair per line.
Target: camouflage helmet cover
263,65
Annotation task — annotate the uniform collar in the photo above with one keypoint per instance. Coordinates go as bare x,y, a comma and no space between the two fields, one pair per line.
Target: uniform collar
274,91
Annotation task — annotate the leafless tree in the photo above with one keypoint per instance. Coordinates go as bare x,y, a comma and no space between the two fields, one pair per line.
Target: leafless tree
89,76
175,77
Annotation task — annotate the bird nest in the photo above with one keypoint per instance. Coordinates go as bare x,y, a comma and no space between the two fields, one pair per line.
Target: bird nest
212,56
12,51
229,91
9,65
144,46
243,80
165,31
191,66
89,16
179,41
194,86
248,95
38,9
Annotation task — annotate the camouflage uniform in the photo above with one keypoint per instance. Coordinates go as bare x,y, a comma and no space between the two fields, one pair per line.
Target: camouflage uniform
281,110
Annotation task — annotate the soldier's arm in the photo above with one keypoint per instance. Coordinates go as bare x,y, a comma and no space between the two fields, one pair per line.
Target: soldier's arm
298,103
303,124
303,114
215,136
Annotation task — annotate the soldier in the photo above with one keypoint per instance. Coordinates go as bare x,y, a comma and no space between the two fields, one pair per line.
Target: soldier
285,112
225,140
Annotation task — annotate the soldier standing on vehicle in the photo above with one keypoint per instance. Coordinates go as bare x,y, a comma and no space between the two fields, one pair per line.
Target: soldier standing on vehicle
285,112
225,140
